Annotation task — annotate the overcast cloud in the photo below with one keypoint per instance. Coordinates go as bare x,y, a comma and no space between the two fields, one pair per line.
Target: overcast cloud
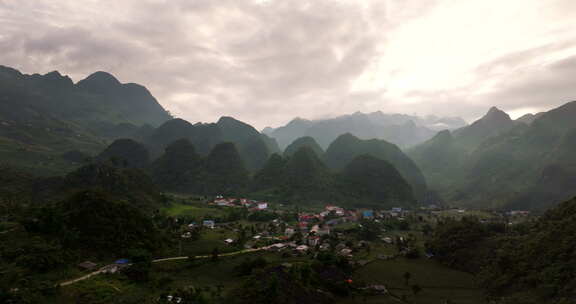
265,62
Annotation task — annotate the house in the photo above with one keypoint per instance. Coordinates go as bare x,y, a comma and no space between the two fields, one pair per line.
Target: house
333,222
208,224
315,229
387,240
347,252
397,209
302,248
313,240
277,246
368,214
222,202
122,262
262,206
228,241
113,268
331,208
87,265
289,231
186,235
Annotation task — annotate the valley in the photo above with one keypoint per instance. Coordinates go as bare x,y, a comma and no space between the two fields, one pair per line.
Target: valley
107,198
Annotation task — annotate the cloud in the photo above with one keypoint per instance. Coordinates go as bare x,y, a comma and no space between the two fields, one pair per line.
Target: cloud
266,62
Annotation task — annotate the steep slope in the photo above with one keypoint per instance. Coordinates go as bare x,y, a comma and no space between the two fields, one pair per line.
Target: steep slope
133,102
286,134
529,118
203,136
371,181
44,116
307,178
254,148
179,168
346,147
126,153
306,141
272,175
224,171
518,166
495,122
251,145
440,159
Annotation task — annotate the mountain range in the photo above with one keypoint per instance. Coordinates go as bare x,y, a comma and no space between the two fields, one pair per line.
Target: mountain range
44,116
497,162
400,129
52,126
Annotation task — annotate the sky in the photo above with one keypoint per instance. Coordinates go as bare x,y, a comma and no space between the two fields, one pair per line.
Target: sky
267,61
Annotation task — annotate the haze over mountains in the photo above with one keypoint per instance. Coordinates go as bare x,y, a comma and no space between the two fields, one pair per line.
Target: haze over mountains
50,125
400,129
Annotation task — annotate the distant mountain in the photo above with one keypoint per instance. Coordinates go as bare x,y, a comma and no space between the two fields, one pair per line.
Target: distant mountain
307,177
133,102
254,148
272,175
373,181
402,130
529,118
250,143
44,116
224,171
495,122
306,141
179,168
347,147
499,163
126,153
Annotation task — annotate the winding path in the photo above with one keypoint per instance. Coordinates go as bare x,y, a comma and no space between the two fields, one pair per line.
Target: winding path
101,270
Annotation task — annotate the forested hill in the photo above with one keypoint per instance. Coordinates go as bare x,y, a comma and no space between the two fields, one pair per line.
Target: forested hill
45,116
533,262
500,163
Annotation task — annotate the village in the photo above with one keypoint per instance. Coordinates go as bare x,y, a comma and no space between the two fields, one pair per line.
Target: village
302,231
249,224
232,234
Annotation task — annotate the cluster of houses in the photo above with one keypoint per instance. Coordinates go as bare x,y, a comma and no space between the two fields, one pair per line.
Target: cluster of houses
333,215
239,202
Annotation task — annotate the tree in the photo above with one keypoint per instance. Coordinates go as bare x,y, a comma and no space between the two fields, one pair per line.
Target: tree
416,289
407,275
215,254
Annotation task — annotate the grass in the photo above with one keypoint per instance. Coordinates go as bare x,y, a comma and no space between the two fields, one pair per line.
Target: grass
438,283
179,209
458,215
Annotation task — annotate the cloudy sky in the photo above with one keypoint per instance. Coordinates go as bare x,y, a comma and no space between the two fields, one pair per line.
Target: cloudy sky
267,61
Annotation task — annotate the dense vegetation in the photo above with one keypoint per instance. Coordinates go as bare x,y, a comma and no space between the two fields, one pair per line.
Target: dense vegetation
500,163
306,141
45,116
46,241
370,180
532,262
346,147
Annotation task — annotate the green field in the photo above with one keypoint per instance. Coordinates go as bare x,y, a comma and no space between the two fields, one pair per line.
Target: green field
192,210
438,283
